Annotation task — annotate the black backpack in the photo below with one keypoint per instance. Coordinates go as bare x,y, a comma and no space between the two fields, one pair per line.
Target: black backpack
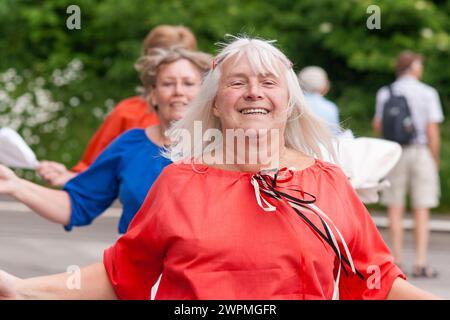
397,122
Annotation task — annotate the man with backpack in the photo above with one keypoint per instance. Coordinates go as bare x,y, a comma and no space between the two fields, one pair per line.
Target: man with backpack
409,112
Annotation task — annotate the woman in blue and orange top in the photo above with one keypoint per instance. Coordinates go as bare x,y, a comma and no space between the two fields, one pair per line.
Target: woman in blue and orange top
130,113
129,166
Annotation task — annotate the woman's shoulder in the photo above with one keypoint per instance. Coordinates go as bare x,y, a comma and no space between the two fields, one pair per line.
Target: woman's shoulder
135,134
126,141
327,170
128,106
328,166
173,178
177,169
303,163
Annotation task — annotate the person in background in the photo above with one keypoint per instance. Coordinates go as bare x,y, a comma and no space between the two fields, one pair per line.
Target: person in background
417,171
127,168
314,81
129,113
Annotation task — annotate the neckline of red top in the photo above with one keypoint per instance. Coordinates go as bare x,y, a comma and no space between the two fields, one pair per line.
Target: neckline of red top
202,168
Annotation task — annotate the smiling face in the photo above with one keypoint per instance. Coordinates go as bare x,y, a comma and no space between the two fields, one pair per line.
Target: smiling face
176,85
247,100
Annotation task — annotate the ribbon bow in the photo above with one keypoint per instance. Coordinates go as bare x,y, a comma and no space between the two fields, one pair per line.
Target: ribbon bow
268,183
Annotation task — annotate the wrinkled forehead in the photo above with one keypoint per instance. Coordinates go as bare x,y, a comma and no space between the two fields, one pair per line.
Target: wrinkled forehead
252,62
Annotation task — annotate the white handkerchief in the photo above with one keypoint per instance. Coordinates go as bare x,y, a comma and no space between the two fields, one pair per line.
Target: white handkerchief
14,151
366,162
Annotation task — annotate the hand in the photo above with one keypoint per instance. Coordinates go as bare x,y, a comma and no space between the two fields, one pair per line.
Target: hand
8,181
56,174
9,286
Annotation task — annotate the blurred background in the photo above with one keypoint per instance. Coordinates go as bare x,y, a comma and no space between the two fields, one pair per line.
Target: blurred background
57,85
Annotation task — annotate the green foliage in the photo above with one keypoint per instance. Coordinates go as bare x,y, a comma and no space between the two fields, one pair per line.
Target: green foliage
35,43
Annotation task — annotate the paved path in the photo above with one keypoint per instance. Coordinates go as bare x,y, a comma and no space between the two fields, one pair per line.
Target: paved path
31,246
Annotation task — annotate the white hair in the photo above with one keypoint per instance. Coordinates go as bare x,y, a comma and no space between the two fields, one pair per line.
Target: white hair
313,79
304,131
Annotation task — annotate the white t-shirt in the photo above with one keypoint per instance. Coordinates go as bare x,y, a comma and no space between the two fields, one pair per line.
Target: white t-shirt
423,101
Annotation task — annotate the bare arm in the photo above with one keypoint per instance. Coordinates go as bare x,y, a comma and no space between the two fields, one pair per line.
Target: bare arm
434,140
53,205
376,126
93,284
403,290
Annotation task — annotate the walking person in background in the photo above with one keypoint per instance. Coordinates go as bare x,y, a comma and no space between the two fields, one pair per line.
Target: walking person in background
409,112
130,113
314,81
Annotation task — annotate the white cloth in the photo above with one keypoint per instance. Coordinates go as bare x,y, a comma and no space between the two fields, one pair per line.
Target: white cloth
14,151
366,162
423,101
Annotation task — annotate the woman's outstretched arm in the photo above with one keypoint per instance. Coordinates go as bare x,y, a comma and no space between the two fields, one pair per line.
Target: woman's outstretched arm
403,290
93,283
51,204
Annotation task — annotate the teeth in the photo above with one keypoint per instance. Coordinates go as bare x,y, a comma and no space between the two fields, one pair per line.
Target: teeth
178,104
255,111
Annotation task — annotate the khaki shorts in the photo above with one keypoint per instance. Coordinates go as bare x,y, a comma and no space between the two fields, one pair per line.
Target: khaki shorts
415,173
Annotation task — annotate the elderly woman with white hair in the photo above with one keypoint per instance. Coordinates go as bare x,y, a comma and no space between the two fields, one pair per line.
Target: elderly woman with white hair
221,226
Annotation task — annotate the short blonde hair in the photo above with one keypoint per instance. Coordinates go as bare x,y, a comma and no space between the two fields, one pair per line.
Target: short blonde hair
304,131
148,65
164,36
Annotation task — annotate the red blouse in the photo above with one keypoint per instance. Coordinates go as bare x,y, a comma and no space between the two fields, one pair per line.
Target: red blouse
205,232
